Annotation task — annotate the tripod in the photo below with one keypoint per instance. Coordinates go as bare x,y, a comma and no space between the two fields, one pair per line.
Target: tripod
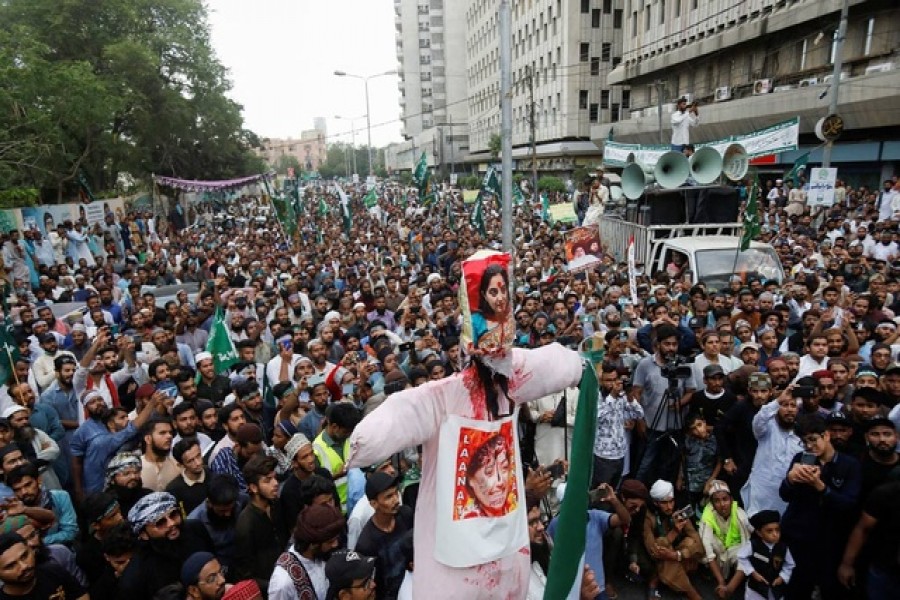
667,449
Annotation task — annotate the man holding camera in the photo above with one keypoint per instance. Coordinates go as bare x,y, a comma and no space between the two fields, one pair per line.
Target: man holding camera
655,379
672,541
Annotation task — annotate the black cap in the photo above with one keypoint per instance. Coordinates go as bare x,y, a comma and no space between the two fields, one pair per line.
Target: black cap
46,337
764,517
696,323
345,567
879,421
838,418
378,482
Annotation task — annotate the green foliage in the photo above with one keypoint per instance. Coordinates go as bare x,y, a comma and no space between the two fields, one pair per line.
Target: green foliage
551,184
579,175
19,197
495,145
285,162
472,182
113,86
518,177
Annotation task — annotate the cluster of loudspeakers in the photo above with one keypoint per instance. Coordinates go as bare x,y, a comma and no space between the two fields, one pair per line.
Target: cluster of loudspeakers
673,169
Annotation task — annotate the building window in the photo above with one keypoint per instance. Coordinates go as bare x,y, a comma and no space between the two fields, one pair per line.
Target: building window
595,18
605,51
662,11
626,98
585,6
647,18
617,18
694,5
584,51
677,8
595,65
582,99
604,98
594,113
634,23
870,32
607,7
614,117
616,60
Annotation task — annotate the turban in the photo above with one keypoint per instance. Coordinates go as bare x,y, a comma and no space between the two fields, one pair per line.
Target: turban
632,488
150,508
88,396
121,462
319,523
201,356
662,490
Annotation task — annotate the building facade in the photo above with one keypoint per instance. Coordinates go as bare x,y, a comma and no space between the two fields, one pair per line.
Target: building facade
755,63
310,149
433,88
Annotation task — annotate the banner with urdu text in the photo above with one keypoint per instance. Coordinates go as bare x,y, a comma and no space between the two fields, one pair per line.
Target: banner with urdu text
777,138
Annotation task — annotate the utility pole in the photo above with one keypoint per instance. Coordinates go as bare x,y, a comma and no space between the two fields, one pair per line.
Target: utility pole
450,141
836,77
506,126
659,94
534,180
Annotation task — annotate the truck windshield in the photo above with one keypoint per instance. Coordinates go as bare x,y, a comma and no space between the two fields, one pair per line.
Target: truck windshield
715,267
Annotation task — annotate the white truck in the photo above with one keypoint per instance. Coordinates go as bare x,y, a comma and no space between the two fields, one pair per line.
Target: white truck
709,248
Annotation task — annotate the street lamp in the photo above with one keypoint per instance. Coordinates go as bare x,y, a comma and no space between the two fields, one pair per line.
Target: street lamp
352,135
365,80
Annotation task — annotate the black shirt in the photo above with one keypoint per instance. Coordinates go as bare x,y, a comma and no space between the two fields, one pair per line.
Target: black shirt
873,475
215,391
390,565
189,496
291,500
884,540
711,409
52,583
259,541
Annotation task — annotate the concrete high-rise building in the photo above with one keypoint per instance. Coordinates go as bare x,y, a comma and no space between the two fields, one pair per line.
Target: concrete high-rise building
756,63
319,124
431,54
562,52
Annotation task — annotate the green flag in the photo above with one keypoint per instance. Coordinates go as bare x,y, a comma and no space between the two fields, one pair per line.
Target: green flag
10,352
371,199
751,216
422,179
567,558
476,218
799,165
85,187
491,183
546,217
323,208
345,214
518,197
220,345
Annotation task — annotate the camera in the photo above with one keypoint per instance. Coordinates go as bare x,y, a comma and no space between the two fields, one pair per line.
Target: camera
676,367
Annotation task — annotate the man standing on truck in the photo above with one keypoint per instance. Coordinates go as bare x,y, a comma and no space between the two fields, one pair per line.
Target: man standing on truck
683,119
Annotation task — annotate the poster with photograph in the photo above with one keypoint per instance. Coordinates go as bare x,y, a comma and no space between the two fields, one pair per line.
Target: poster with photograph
583,249
480,492
46,218
486,304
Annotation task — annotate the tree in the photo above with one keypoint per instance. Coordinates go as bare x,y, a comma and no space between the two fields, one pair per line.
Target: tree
495,145
285,162
551,184
113,86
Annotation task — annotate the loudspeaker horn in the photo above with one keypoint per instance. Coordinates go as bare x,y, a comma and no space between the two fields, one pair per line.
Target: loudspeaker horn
634,179
735,162
615,192
672,169
706,165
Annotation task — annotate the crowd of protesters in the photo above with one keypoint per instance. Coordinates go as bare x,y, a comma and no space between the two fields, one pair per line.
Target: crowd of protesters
746,436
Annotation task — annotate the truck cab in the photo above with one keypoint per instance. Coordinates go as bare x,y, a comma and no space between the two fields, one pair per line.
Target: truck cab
714,260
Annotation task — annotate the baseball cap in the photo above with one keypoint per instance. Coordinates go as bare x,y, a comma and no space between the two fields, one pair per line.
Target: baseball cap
878,421
713,370
345,567
696,323
748,346
759,381
837,418
378,482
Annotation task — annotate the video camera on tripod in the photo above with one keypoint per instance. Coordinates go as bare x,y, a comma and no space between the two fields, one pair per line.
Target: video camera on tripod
676,367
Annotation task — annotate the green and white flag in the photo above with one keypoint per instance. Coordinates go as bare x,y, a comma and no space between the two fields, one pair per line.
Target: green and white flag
567,558
476,218
546,217
371,199
518,197
799,165
220,345
751,216
10,351
491,183
422,180
323,208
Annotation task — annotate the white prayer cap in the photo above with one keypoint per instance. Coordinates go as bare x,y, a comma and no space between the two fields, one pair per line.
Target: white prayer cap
662,490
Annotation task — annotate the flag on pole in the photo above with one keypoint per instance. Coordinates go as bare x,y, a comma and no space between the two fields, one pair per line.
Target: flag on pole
84,186
10,347
345,210
371,199
546,217
518,197
476,218
220,345
632,279
451,218
491,183
567,558
422,179
751,216
799,165
323,208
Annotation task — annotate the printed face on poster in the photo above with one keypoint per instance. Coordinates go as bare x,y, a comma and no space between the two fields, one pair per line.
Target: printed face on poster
583,249
486,484
486,305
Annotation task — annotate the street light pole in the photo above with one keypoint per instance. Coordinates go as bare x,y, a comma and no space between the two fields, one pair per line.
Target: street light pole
353,135
506,126
836,77
365,80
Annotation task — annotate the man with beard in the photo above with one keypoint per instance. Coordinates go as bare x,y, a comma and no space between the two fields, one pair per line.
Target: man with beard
231,417
25,484
841,430
303,466
61,397
57,554
249,398
540,549
232,461
881,458
158,468
211,386
318,353
23,577
203,577
778,371
712,401
773,427
78,343
187,423
99,369
123,478
186,385
190,487
44,418
281,367
261,535
95,441
190,333
35,444
162,547
300,572
319,396
215,519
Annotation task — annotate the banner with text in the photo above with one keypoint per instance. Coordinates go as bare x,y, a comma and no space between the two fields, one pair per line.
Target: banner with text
777,138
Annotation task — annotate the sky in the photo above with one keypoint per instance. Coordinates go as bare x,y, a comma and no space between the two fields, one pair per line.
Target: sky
282,55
